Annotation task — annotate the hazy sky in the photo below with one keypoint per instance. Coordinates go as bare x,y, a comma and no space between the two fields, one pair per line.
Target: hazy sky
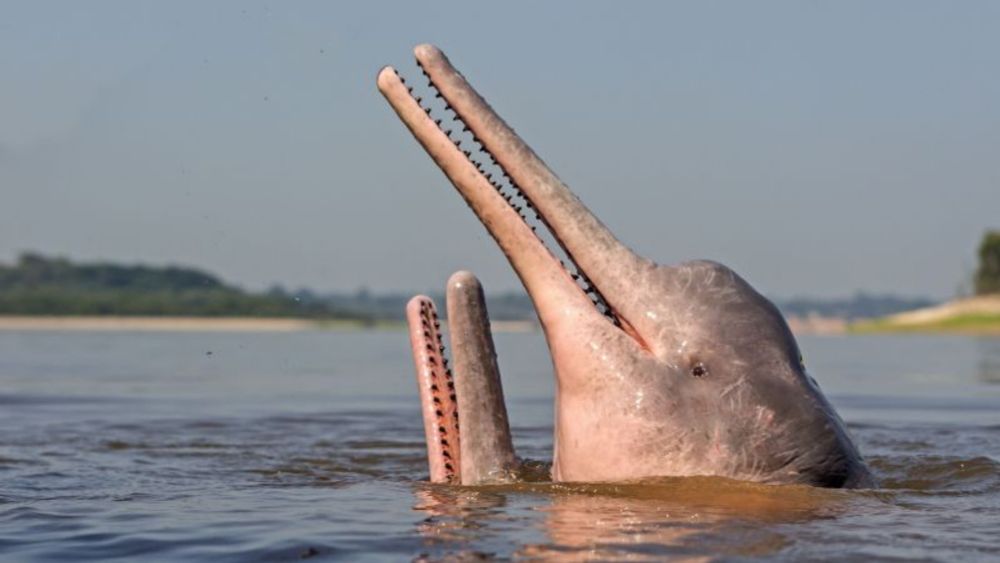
818,149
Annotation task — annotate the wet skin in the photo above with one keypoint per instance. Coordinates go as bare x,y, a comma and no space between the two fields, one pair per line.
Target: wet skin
682,370
483,451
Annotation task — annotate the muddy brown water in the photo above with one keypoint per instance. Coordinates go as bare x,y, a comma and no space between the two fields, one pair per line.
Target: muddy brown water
290,446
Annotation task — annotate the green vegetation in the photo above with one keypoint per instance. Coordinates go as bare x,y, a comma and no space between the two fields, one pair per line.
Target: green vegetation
977,323
988,275
975,315
38,285
42,285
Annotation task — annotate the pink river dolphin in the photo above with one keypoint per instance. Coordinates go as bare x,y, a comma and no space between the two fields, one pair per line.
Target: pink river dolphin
660,370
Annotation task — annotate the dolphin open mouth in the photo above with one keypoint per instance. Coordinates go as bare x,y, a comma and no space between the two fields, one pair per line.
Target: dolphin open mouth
482,451
508,187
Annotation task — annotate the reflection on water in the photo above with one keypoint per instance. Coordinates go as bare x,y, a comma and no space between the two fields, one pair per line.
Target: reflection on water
989,360
653,521
700,518
289,446
675,517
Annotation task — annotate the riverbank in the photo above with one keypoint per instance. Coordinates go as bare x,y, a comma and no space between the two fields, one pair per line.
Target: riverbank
806,325
157,324
799,325
212,324
974,315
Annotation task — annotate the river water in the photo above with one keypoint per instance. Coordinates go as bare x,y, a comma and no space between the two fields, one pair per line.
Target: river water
308,445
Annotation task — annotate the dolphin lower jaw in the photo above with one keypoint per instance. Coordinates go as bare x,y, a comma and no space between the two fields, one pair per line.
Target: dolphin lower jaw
436,386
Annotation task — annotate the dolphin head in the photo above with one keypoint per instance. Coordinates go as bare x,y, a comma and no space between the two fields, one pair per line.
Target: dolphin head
709,380
660,370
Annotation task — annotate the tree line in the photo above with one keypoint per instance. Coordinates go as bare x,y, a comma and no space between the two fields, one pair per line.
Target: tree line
40,285
987,278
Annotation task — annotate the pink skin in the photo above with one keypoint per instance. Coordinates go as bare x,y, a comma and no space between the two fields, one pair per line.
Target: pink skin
697,374
487,448
437,392
473,396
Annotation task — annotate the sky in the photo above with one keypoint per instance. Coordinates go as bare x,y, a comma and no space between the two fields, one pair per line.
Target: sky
816,148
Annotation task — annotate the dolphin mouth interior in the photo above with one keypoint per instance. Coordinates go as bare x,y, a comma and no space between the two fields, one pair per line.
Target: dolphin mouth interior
463,137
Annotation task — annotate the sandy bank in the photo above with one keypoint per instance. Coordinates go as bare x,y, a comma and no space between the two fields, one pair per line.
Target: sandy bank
211,324
978,315
224,324
815,324
987,305
799,325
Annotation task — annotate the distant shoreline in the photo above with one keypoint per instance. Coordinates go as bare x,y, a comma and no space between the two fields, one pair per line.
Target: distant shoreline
973,315
211,324
966,316
40,323
156,324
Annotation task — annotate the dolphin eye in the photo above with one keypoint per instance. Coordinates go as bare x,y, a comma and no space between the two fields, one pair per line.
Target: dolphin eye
699,370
